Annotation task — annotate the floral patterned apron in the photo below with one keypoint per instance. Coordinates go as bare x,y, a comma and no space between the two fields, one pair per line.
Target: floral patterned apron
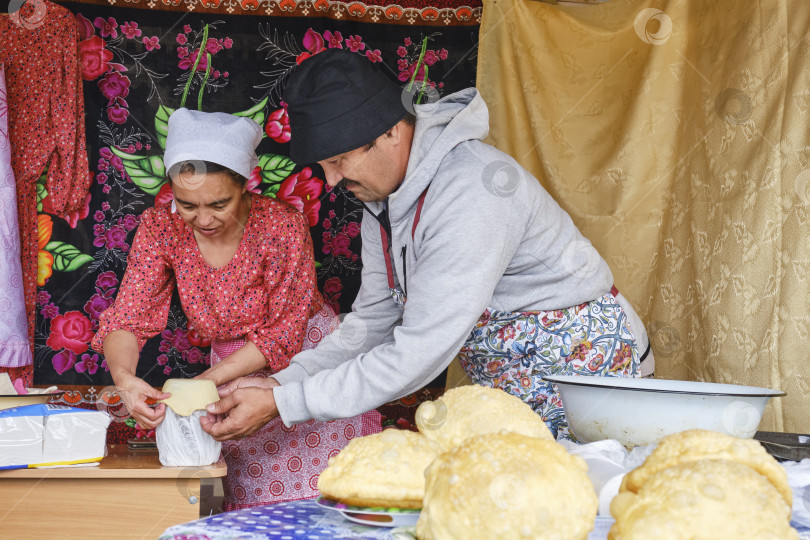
513,351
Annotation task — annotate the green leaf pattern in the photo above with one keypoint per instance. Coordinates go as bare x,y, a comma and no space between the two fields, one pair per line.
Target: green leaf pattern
256,113
162,124
66,257
274,168
146,172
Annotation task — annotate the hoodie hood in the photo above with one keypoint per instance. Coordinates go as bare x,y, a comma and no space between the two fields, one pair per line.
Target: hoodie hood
440,127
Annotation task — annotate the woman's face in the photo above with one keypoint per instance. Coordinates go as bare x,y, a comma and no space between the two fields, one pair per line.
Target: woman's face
212,204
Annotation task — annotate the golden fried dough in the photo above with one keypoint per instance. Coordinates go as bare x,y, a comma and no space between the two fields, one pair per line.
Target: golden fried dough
707,499
697,444
470,410
384,469
507,485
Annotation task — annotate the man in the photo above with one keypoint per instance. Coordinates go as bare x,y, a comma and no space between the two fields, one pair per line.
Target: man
463,253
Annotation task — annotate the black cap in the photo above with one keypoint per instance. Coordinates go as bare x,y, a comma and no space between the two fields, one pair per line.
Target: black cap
337,101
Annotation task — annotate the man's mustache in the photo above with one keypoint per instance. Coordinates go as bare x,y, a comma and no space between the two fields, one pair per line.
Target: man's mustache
344,184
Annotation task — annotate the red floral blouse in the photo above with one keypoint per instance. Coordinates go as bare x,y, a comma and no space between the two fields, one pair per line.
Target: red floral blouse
265,294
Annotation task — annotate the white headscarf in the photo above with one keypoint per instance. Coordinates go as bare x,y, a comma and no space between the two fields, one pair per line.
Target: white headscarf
220,138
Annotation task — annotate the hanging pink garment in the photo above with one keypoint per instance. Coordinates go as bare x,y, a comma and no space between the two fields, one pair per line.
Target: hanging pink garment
14,349
39,46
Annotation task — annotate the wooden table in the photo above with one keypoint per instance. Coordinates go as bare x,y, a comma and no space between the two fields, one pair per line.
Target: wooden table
128,495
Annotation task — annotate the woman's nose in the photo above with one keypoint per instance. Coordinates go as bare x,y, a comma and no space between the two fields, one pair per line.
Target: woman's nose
205,218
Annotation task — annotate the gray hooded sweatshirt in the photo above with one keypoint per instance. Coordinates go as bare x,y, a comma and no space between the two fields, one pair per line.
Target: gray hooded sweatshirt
489,236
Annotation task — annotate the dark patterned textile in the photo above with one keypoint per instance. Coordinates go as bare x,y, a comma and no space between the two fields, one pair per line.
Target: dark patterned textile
136,64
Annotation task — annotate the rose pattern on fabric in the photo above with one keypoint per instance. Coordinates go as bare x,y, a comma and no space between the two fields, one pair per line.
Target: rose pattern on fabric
278,125
94,57
331,292
72,331
63,360
302,190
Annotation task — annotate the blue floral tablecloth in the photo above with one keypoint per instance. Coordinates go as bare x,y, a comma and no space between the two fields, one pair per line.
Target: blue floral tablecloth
298,520
304,520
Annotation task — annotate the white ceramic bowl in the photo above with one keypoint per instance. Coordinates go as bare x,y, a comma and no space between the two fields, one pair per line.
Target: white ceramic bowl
638,412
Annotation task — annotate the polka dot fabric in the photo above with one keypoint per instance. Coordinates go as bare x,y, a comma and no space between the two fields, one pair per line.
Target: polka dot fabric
46,122
265,294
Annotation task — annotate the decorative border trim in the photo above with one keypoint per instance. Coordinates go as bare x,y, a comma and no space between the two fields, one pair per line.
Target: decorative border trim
355,10
88,397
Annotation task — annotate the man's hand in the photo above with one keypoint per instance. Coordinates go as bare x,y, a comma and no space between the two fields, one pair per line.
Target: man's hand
240,413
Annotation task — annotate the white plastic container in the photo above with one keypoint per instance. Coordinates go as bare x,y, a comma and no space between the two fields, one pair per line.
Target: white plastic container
48,435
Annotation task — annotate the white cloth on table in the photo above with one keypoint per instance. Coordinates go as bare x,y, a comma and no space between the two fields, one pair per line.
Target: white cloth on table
799,480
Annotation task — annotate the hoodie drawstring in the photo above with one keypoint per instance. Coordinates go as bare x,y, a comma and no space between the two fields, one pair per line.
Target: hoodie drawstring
385,236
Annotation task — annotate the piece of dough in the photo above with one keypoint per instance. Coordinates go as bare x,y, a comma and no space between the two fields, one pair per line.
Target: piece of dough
189,395
470,410
507,486
697,444
384,469
710,499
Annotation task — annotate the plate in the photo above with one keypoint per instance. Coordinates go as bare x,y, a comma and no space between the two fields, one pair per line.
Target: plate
11,401
373,516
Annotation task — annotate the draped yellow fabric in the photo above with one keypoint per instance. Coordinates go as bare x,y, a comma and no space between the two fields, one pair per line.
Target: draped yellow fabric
677,135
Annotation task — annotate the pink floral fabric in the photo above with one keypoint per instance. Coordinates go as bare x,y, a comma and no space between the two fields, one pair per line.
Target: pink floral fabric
134,65
280,464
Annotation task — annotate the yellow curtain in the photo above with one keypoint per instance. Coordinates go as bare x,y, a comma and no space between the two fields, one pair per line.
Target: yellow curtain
677,135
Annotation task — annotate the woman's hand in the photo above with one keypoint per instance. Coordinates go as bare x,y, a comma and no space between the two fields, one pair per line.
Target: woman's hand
246,360
134,391
121,353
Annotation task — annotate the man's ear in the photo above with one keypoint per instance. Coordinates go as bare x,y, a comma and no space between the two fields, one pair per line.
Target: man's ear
394,135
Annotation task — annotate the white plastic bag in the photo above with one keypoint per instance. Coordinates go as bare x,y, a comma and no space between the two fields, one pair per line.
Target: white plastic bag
182,442
799,479
608,461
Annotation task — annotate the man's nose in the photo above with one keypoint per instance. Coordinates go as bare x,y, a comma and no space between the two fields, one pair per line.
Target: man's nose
333,177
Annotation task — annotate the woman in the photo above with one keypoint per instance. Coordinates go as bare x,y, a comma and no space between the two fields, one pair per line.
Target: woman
245,274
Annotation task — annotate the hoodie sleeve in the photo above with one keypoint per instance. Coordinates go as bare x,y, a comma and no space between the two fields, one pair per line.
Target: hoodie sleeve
464,243
371,322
